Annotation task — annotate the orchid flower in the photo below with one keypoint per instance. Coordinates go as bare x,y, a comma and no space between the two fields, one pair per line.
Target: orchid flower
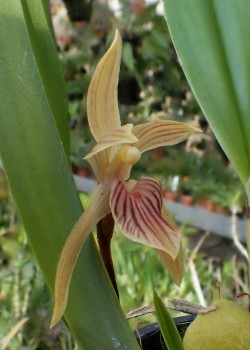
136,206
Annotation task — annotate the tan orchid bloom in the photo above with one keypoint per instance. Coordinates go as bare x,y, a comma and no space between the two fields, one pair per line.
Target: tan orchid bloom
136,206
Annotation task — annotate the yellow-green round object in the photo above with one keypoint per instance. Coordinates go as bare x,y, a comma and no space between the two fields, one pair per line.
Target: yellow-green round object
223,326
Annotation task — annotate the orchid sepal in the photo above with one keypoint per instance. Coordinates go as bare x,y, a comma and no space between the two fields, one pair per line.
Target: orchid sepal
99,163
102,104
161,133
97,209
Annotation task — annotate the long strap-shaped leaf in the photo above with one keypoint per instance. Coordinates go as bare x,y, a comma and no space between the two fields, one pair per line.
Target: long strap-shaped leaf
212,40
42,43
36,165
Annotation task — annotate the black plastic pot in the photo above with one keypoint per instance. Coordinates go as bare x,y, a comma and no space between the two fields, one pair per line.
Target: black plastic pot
150,337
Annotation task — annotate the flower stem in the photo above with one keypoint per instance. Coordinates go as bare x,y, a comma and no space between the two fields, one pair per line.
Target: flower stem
248,240
248,227
105,229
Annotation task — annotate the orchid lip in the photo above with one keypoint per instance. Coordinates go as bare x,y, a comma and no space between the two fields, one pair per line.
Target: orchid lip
138,213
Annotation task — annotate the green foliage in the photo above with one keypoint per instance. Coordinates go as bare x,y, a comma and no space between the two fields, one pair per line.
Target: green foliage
138,272
23,294
33,127
33,146
167,326
211,40
219,73
47,65
149,56
151,80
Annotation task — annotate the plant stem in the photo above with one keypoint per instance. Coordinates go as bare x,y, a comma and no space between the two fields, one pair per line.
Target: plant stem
248,240
105,229
248,227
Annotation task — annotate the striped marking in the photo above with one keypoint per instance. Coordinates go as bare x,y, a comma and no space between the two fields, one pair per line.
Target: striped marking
138,213
161,133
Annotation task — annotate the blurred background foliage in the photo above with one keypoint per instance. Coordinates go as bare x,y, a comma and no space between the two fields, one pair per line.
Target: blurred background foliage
152,85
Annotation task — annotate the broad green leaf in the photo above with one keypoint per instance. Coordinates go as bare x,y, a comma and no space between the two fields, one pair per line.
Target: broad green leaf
47,14
50,70
38,172
168,329
211,38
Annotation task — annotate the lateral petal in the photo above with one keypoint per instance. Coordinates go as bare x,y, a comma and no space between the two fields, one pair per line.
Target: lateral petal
102,104
137,211
120,135
99,163
97,209
174,266
161,133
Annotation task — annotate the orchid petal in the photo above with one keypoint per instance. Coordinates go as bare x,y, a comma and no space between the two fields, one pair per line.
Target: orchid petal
97,209
121,135
99,163
174,266
137,210
161,133
102,104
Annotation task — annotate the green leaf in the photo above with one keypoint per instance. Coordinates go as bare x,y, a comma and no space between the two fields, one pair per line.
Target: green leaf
168,329
211,38
31,134
50,70
46,9
127,56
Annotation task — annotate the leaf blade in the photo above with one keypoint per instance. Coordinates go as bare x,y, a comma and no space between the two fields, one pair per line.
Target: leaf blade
43,188
168,328
199,42
49,66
